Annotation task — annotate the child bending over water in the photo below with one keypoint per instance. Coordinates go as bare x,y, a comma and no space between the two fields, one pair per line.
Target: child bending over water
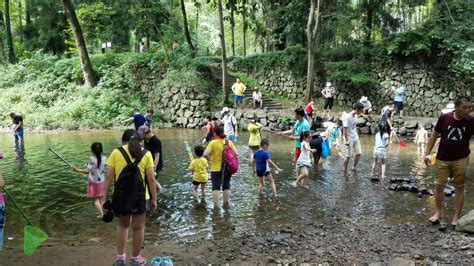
304,161
199,167
382,140
95,168
261,168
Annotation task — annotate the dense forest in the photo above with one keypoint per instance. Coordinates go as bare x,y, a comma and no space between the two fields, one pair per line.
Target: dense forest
46,37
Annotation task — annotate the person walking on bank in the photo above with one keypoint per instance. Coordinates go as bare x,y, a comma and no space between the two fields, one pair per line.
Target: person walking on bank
152,144
351,138
127,167
238,89
137,118
230,125
17,129
328,93
220,177
257,99
452,160
399,98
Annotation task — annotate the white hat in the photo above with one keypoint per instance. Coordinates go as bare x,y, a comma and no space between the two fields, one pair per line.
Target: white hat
328,84
364,98
225,110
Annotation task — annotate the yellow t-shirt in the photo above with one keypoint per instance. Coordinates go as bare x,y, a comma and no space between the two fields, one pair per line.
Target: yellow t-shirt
199,168
217,148
117,161
254,131
238,89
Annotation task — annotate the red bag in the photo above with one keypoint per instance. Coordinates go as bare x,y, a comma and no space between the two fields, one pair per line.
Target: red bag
230,159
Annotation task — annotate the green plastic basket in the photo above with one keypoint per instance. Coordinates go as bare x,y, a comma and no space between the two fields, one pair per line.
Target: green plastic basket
34,237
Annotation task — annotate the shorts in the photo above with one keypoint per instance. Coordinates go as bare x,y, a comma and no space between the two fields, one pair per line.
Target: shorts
196,183
95,190
254,148
399,105
301,164
328,102
297,155
353,148
19,134
238,99
230,138
317,155
380,154
264,174
218,181
2,223
456,169
257,101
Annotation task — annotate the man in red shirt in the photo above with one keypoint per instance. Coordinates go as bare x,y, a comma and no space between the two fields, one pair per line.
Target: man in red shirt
455,129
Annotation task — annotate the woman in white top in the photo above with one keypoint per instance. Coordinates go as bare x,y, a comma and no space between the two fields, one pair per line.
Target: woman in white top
257,98
304,161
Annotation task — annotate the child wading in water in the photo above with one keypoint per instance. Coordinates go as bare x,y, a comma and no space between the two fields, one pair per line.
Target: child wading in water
421,139
382,140
304,161
254,140
261,168
95,168
199,167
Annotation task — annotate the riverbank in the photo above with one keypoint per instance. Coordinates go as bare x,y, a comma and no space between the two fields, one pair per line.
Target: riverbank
343,241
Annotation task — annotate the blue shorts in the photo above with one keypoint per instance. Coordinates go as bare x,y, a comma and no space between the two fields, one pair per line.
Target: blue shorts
19,134
238,99
399,105
230,138
2,224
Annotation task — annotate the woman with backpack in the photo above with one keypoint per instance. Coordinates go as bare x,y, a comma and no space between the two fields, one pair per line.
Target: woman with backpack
126,168
224,163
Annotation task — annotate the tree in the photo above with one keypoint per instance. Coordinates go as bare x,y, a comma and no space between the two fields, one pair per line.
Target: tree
2,54
311,32
232,6
186,30
223,53
244,26
86,66
9,38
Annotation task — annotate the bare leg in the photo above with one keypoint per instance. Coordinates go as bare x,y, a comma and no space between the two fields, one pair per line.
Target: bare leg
122,233
226,196
216,194
138,228
374,164
439,195
195,193
203,191
356,161
346,164
272,186
158,186
261,184
98,206
383,168
459,199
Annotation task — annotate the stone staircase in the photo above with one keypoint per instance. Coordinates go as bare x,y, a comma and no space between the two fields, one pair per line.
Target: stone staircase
268,103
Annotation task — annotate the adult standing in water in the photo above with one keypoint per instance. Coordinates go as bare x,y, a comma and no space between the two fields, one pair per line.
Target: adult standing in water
137,118
328,93
220,177
152,144
352,142
17,129
238,89
399,98
230,124
300,126
452,160
131,214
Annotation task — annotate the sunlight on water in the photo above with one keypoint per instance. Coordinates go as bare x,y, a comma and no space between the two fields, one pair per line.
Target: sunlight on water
55,198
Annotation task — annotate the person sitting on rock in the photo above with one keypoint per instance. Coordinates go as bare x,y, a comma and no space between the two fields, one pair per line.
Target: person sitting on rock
257,99
367,105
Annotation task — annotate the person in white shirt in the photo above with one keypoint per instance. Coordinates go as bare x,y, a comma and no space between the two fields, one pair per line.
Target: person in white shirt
380,151
230,125
328,93
367,105
257,98
351,138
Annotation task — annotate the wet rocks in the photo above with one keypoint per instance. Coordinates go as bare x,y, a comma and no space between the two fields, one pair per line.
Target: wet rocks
466,223
410,184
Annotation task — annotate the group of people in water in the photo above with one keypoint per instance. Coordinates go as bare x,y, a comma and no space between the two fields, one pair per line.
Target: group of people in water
134,167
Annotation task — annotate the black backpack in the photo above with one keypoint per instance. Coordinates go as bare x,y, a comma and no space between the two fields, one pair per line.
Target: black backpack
129,189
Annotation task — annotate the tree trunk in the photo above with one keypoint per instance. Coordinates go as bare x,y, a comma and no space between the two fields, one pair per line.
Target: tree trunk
86,66
244,22
368,25
8,30
20,8
312,29
186,30
232,26
2,53
223,52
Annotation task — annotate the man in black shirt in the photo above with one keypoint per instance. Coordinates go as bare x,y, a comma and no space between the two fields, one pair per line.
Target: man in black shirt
153,144
17,129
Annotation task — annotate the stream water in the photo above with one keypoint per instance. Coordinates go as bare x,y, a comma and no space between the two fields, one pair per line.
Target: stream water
55,198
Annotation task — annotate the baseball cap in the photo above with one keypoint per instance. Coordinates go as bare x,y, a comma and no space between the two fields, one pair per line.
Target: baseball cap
143,130
358,106
225,110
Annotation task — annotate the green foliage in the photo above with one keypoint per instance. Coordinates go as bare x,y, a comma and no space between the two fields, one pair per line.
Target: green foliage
410,43
351,72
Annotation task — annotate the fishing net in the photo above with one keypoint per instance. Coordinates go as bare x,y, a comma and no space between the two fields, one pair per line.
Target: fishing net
34,237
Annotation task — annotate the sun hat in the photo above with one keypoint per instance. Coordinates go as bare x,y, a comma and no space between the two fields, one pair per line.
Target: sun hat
328,84
225,110
364,98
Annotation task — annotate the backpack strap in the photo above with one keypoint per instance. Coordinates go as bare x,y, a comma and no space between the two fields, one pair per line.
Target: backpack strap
127,158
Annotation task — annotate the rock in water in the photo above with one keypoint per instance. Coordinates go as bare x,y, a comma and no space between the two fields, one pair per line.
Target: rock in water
393,187
466,223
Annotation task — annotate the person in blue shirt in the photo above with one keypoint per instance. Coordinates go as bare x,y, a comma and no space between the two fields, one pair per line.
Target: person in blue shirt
399,99
261,167
300,126
137,118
